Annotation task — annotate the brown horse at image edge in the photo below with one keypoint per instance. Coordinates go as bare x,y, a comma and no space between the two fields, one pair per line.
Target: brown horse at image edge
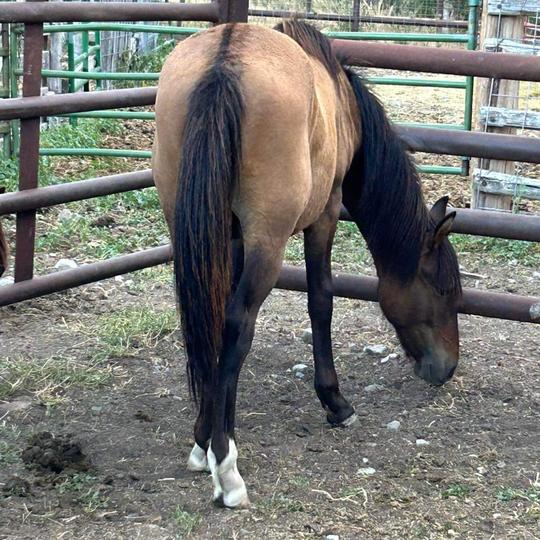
262,134
4,252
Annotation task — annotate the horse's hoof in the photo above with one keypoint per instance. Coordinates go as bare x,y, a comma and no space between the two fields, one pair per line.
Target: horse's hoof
197,461
343,419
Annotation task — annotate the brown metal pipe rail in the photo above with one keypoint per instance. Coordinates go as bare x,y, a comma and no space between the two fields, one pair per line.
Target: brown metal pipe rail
334,17
478,222
31,107
487,304
33,199
54,12
417,139
469,143
439,60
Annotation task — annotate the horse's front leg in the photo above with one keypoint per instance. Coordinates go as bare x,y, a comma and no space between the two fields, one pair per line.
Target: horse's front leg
318,240
259,275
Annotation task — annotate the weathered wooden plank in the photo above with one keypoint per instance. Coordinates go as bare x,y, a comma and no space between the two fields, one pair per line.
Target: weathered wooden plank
511,46
506,184
513,7
502,117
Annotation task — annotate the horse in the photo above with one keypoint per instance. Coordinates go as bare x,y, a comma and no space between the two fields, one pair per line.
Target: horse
261,134
4,252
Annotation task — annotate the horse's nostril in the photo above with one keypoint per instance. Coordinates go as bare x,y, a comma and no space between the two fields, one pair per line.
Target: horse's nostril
451,372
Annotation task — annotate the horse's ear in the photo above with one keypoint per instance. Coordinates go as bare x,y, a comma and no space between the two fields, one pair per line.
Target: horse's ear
442,230
438,210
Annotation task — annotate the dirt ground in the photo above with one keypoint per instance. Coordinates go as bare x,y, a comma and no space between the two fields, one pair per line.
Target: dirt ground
115,468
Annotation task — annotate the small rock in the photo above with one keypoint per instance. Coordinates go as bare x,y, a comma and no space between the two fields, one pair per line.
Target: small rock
377,350
365,460
299,368
331,537
65,215
373,388
536,275
481,470
6,281
307,336
299,374
422,442
65,264
394,425
119,279
366,471
501,465
391,356
96,409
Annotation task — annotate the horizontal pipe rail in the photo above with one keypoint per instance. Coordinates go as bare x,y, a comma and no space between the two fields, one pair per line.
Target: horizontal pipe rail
471,144
13,108
436,141
478,222
382,19
487,304
405,37
32,199
438,60
103,12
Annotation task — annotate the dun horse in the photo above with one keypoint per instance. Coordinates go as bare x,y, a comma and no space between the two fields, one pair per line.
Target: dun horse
260,135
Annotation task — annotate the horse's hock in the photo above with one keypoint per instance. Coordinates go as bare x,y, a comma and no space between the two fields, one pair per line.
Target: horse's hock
32,106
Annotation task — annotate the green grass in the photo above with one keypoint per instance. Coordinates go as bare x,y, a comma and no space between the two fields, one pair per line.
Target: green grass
185,522
459,491
10,451
76,483
48,379
497,249
125,331
506,494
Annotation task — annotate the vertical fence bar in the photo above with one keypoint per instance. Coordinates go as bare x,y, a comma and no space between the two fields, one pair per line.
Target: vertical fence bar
85,61
29,151
233,10
355,23
97,56
4,87
13,86
472,30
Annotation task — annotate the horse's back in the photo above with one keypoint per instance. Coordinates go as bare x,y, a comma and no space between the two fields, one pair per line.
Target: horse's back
289,115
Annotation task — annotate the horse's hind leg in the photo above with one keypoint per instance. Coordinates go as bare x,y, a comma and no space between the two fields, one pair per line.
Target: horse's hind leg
262,265
318,240
197,460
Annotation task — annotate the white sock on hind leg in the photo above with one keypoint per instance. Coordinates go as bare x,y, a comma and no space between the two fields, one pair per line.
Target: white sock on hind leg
197,459
226,476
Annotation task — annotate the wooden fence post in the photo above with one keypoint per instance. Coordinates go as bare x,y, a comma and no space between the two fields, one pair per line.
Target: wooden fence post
497,26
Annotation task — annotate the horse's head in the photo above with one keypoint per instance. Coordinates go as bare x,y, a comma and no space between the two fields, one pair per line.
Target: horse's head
424,310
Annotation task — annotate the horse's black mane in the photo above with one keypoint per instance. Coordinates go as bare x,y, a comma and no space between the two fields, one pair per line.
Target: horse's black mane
382,189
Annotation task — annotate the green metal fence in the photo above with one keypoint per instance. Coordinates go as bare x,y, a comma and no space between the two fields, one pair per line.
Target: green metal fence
79,75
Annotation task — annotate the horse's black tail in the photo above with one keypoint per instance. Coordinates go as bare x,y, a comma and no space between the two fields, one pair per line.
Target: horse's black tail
209,170
4,252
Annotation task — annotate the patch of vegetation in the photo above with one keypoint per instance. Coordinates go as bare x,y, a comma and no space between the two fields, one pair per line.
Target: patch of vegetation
48,379
506,494
10,451
75,483
88,132
279,503
526,253
124,331
185,522
458,491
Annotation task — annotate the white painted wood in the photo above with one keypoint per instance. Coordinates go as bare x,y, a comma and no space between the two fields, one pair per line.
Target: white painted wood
513,7
501,117
506,184
512,47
